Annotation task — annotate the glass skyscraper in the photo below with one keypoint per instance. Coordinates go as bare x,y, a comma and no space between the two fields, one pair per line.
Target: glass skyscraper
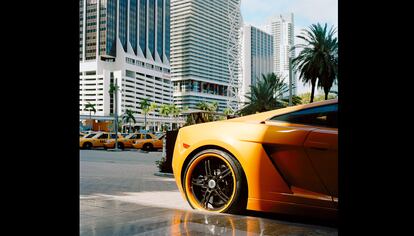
282,28
205,52
125,41
257,57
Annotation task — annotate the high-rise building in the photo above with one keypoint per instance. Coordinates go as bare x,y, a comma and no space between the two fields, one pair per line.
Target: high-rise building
205,50
282,28
257,57
127,41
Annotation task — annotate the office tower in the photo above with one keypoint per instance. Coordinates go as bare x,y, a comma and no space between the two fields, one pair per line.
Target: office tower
205,49
282,28
257,57
125,41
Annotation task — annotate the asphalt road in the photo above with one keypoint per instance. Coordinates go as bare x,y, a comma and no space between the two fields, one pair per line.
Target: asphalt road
120,195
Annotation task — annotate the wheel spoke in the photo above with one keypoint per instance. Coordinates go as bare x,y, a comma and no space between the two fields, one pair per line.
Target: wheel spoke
206,199
221,195
207,167
198,182
224,173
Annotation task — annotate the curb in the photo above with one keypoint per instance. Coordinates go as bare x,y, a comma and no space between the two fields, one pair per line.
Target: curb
162,174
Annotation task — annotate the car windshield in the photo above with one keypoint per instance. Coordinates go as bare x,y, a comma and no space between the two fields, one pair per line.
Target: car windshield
114,135
89,135
129,135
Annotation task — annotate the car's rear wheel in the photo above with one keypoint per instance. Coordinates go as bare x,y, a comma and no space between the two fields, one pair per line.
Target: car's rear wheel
87,145
213,182
121,146
147,147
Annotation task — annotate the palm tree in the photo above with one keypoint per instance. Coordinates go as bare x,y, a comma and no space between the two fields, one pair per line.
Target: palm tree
203,106
209,108
296,100
213,106
318,59
91,108
227,111
153,106
174,111
265,95
329,70
128,117
164,110
144,105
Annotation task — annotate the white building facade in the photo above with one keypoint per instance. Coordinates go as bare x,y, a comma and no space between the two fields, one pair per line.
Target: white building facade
282,28
125,41
257,57
205,52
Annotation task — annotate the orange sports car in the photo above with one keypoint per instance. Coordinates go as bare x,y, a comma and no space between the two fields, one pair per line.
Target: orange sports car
283,161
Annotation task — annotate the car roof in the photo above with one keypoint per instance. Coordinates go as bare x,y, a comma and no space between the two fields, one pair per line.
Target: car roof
269,114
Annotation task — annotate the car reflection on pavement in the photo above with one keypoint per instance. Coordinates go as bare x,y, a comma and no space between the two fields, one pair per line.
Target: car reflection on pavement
122,218
195,223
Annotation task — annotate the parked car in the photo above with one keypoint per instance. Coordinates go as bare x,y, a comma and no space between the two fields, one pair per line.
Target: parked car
125,142
283,161
149,142
96,140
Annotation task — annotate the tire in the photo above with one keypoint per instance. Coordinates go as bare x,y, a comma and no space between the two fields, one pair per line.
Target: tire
87,145
213,181
121,146
147,147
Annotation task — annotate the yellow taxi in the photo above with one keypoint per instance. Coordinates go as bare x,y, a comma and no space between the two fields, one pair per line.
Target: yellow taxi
149,142
96,139
124,142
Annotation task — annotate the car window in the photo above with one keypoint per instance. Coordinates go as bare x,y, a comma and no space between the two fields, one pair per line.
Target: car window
113,135
147,136
89,135
103,136
319,116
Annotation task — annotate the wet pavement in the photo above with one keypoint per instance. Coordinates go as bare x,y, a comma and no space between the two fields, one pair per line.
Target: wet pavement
120,195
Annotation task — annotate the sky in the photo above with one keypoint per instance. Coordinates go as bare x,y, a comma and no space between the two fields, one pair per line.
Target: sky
305,13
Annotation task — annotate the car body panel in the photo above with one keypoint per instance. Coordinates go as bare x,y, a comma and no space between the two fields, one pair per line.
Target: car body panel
127,142
322,149
154,140
282,174
98,140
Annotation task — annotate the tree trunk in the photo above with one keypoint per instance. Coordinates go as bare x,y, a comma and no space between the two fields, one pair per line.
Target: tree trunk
90,118
145,121
327,89
313,82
